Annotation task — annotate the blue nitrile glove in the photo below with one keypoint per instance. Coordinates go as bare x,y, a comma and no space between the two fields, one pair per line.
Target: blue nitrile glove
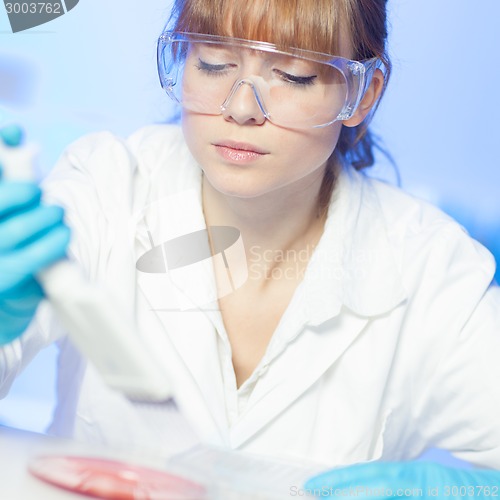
405,479
32,236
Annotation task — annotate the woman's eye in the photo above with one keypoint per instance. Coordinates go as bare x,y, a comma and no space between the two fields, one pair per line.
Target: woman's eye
213,69
295,80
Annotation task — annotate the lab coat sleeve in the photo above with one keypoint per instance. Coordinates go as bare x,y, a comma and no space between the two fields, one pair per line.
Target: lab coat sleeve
92,181
458,409
14,357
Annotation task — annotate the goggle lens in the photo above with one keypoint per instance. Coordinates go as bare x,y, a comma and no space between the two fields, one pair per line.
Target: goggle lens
205,75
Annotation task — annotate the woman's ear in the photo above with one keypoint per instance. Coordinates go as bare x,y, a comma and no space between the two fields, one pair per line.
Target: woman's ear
369,100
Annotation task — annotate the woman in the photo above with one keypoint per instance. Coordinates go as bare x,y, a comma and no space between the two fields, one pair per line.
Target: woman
366,322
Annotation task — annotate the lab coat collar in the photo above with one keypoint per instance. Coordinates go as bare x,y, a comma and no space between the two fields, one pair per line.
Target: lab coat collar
353,265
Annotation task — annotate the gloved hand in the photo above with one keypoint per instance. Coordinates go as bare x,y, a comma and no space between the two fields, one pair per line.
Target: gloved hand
382,480
32,236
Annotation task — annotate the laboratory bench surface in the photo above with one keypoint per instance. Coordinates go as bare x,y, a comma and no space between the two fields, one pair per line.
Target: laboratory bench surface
224,474
18,448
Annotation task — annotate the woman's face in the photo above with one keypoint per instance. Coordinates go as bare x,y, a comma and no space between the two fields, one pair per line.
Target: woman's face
241,152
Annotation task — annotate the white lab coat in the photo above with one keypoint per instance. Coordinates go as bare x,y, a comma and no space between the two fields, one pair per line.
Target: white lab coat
391,343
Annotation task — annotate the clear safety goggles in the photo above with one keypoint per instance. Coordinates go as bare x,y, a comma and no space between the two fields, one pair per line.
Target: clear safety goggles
294,88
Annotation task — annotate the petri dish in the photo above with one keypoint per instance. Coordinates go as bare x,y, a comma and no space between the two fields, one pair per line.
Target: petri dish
113,480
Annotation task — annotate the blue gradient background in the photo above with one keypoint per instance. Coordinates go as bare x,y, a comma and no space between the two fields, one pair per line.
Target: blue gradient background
95,69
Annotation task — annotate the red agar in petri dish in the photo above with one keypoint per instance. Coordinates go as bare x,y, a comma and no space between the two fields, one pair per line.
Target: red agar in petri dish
113,480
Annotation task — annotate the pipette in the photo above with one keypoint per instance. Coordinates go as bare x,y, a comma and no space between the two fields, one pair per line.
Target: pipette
96,324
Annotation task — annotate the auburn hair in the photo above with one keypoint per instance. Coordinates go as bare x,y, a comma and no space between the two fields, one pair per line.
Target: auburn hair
316,25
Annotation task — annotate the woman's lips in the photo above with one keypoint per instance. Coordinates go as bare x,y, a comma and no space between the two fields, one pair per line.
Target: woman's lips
237,152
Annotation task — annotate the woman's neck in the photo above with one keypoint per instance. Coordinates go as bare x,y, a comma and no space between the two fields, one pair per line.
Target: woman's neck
279,220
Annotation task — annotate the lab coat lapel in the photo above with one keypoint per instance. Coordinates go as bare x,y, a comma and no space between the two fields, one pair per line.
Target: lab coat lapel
184,341
290,375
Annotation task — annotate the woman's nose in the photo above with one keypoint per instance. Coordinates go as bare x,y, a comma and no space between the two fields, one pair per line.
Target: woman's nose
243,104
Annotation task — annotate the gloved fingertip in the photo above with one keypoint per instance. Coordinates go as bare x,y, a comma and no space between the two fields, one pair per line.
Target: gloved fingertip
12,135
56,211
